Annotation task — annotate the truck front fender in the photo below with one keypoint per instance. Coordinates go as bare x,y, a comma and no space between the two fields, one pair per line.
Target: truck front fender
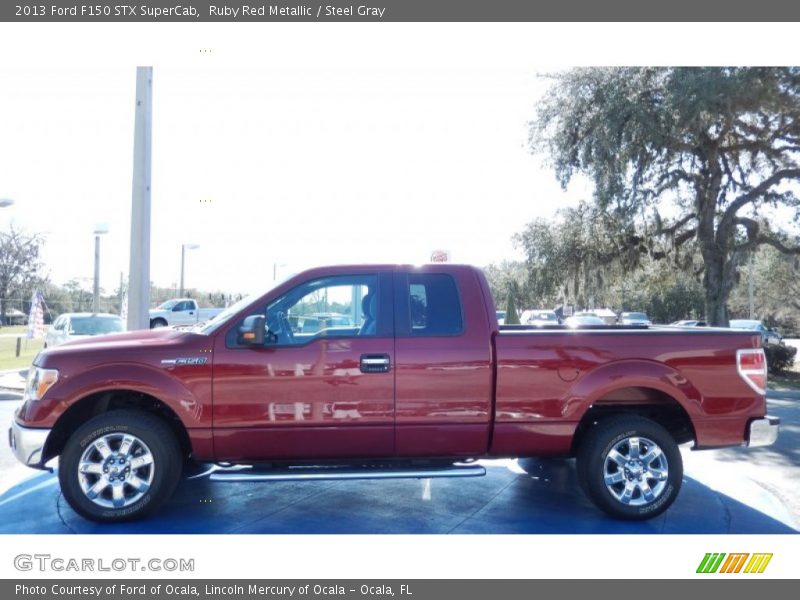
135,377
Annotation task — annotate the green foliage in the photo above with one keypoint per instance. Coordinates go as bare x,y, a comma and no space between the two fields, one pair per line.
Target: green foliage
710,147
512,316
780,358
509,277
20,265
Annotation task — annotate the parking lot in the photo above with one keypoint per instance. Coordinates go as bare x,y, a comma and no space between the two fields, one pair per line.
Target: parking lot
724,491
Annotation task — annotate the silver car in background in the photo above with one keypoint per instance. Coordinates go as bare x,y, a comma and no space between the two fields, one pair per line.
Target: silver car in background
75,326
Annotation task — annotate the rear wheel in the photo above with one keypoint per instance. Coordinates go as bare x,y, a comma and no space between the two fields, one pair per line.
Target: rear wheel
120,466
630,467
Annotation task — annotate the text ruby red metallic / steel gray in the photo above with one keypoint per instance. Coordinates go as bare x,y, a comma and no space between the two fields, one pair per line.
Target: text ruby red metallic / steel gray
482,392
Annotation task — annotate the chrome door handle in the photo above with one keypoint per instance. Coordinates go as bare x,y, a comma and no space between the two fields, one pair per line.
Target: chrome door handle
375,363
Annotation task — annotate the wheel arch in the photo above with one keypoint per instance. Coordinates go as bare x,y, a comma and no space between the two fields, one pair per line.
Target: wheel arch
104,401
648,401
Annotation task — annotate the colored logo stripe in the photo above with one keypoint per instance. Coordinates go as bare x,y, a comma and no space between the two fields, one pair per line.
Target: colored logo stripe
710,563
758,563
713,562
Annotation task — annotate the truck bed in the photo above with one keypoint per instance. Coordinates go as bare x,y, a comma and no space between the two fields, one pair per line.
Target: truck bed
548,377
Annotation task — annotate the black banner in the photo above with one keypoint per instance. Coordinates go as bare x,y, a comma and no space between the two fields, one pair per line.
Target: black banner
399,10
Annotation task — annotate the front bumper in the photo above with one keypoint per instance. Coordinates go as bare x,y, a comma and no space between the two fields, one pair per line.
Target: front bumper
27,444
763,432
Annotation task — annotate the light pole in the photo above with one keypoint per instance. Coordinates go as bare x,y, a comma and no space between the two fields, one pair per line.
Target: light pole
275,267
184,248
3,203
98,231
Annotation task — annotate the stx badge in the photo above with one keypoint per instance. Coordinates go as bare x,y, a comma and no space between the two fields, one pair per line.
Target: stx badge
184,361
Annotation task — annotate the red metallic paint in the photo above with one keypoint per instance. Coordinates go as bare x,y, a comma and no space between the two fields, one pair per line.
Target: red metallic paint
484,392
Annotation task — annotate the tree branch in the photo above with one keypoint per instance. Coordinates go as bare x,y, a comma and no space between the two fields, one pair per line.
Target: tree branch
754,194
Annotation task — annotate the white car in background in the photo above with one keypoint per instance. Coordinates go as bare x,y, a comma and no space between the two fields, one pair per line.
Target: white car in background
634,318
583,319
75,326
539,317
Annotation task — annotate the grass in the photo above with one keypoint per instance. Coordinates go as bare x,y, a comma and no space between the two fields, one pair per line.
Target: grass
28,349
790,380
21,329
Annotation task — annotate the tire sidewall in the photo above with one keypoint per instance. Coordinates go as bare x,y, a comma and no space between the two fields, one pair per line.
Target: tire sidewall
594,479
164,464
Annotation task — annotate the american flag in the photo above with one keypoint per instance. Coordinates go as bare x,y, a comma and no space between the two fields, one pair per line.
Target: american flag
36,316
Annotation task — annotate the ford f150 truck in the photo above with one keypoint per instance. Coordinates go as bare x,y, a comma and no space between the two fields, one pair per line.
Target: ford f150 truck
418,381
180,312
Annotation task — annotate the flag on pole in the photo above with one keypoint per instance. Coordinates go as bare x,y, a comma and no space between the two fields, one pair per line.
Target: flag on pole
36,316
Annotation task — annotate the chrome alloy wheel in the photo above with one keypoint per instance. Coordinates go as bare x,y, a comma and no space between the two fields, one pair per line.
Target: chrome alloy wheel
116,470
636,471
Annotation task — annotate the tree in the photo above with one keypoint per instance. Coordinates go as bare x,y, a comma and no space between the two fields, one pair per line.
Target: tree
776,289
512,317
571,258
508,277
19,264
681,157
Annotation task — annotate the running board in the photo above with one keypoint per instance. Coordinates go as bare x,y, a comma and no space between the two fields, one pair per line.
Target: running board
321,473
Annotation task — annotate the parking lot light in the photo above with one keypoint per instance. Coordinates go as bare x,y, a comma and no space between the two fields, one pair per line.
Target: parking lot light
184,248
100,229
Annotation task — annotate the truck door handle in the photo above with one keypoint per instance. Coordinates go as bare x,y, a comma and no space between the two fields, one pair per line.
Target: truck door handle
375,363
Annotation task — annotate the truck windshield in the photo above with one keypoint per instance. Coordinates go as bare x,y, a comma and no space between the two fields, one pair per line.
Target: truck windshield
167,305
233,309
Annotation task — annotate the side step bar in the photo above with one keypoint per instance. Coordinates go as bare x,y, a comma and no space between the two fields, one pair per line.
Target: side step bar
322,473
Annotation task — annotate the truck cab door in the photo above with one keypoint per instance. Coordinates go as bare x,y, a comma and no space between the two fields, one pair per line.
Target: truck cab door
183,313
444,364
322,383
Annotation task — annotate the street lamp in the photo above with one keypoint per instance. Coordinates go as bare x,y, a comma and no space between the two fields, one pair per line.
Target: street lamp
99,230
184,248
6,202
275,267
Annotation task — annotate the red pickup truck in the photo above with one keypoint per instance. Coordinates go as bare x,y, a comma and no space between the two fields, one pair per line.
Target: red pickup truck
406,374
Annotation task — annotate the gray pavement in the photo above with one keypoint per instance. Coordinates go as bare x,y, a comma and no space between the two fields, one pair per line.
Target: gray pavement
724,491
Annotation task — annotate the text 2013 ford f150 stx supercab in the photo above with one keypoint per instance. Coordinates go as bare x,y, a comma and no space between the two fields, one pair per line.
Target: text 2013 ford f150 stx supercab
417,381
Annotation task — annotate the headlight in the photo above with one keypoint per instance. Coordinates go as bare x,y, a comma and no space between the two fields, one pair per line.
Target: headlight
39,381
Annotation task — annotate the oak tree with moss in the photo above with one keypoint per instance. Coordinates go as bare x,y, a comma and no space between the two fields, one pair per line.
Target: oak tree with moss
700,158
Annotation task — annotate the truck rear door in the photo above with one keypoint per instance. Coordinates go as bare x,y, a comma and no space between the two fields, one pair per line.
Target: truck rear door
443,359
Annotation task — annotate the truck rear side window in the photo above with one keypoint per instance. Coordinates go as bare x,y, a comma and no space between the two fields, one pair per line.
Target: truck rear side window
434,305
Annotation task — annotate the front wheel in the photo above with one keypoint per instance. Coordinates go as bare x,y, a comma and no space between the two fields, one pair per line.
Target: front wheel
630,467
157,323
120,466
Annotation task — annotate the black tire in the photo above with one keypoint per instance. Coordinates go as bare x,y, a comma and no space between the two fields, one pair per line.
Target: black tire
614,433
155,323
154,437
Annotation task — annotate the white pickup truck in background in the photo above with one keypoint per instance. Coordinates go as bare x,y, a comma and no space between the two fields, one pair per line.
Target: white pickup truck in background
180,311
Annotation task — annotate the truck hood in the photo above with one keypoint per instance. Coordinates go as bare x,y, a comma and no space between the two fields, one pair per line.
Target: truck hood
118,345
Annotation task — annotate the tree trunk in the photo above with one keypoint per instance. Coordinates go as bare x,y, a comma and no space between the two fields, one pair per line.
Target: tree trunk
718,281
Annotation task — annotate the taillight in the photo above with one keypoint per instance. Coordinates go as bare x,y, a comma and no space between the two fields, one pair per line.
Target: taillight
752,367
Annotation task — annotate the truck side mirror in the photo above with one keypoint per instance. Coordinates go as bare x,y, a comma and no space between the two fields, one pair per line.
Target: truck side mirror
252,330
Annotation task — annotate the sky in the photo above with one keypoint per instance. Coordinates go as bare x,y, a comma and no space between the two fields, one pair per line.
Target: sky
301,144
270,169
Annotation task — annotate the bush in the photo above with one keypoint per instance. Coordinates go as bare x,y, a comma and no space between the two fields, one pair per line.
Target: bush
780,358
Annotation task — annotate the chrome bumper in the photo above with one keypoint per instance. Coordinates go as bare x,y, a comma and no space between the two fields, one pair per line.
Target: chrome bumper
763,432
27,444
